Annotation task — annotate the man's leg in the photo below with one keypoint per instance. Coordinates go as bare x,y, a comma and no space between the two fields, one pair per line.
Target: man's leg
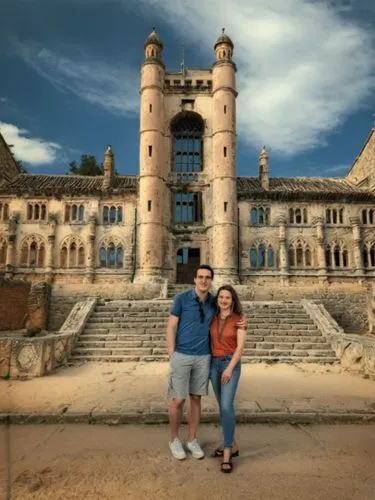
194,416
198,387
175,415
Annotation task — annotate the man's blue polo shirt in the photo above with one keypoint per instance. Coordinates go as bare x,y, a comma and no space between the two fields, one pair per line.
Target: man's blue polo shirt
193,335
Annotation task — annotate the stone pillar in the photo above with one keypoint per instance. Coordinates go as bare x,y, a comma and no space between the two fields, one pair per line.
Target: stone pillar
152,198
224,258
90,251
357,253
50,251
283,251
11,248
320,249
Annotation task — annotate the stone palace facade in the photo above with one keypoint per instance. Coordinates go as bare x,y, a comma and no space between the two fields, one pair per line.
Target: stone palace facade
187,206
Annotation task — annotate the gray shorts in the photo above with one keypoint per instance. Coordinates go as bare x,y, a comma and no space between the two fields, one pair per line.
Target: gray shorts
188,374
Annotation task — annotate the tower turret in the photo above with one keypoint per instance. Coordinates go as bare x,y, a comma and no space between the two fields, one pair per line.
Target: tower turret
109,168
263,169
224,184
152,188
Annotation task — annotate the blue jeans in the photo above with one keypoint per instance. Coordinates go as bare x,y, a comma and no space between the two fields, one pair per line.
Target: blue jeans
225,394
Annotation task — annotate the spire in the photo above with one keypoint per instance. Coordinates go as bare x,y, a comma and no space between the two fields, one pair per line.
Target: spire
153,46
263,169
109,168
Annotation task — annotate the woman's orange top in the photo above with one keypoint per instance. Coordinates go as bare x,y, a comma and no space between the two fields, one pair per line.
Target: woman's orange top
224,335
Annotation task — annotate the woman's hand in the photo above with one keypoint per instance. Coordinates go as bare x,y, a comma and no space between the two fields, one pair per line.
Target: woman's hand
226,375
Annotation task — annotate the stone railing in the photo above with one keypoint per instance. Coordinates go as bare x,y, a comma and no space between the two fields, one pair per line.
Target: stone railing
26,357
355,352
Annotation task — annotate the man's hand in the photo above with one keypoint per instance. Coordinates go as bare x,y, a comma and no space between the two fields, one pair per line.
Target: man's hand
242,324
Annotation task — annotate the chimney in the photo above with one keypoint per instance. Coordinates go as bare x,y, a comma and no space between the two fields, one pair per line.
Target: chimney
263,169
109,168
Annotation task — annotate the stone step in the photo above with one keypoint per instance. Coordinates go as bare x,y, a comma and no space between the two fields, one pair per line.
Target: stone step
160,358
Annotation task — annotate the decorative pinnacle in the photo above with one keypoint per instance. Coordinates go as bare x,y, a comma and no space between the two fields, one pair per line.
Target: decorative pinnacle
263,151
109,150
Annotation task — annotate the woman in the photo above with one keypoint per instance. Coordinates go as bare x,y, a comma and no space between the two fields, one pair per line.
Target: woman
227,342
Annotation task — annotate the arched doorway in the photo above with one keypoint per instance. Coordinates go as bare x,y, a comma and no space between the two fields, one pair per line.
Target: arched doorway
187,260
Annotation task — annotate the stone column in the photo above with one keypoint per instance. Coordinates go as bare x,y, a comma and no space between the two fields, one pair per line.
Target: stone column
357,254
90,251
11,248
283,252
50,251
320,250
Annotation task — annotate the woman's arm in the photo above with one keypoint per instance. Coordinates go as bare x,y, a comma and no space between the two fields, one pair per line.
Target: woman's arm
227,373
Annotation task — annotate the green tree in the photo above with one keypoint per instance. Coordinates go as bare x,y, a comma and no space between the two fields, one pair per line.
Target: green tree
87,165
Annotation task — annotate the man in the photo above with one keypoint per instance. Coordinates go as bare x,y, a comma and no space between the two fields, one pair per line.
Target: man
189,351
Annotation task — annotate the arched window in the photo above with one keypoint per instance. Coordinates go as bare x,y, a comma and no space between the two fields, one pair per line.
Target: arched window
3,251
262,255
4,211
32,252
298,215
260,215
111,254
187,132
299,254
72,253
337,256
112,214
368,255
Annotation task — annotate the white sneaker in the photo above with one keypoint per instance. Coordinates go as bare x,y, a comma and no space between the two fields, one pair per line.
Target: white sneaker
195,449
177,449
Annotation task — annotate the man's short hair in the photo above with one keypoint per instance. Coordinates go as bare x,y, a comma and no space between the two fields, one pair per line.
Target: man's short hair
207,267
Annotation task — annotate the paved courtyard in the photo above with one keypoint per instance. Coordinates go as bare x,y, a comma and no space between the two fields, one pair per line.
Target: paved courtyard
136,392
133,462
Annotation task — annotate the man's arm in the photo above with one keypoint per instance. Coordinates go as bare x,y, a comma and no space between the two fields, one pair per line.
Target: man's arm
171,333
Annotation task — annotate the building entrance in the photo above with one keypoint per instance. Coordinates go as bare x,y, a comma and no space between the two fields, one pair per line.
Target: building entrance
187,260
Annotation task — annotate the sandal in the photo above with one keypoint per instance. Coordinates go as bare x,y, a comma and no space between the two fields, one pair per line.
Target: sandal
226,467
219,453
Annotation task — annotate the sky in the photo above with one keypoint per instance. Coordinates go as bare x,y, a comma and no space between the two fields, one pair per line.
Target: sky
69,77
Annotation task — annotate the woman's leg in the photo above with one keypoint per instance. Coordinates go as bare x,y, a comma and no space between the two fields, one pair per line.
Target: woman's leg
215,377
228,393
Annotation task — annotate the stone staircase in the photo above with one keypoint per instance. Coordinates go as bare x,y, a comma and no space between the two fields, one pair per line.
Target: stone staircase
175,289
135,331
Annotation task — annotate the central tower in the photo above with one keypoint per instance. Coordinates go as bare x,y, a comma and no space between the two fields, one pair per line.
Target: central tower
187,205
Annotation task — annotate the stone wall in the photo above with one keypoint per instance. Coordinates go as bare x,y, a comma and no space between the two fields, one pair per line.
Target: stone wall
13,304
23,305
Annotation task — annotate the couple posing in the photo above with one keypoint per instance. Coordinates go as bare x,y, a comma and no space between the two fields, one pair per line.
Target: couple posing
205,340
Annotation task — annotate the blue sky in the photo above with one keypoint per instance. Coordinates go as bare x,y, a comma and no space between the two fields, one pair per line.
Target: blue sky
69,77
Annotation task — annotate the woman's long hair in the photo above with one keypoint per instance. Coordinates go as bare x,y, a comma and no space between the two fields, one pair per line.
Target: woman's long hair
236,304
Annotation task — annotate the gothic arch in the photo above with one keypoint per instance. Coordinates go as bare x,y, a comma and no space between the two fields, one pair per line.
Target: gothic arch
72,252
110,252
32,251
3,250
300,253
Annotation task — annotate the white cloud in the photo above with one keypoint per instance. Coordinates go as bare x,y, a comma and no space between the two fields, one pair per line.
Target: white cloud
3,100
112,87
29,149
302,67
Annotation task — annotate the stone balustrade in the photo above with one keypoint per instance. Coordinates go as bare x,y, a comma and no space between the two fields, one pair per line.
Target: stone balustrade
355,352
26,357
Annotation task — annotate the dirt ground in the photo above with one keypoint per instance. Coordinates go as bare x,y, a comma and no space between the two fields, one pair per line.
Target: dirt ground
133,462
124,387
